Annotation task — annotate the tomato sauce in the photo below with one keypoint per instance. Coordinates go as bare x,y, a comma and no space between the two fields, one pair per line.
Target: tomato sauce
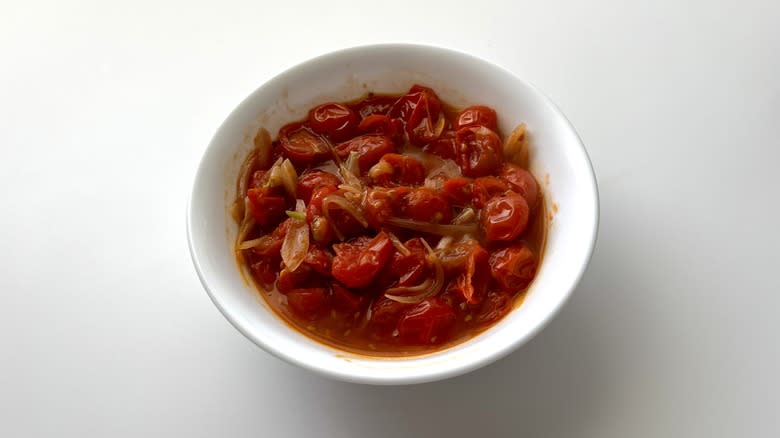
391,225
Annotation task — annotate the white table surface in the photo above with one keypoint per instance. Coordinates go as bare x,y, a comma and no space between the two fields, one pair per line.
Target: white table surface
105,330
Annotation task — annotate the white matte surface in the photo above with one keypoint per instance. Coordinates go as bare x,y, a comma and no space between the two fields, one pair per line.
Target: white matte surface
106,331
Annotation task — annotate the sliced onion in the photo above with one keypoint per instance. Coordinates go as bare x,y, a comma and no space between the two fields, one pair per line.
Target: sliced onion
249,244
275,174
516,146
467,216
399,246
345,205
439,128
289,177
428,227
263,145
380,169
428,288
296,242
444,171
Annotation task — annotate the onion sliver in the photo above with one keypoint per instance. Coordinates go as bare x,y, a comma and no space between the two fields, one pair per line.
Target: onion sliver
296,242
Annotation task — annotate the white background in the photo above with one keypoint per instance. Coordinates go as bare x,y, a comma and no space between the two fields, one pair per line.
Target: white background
106,331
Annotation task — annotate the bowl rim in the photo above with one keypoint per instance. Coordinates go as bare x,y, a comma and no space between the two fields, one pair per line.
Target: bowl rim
425,374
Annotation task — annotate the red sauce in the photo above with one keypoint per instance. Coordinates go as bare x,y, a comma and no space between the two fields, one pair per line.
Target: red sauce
424,237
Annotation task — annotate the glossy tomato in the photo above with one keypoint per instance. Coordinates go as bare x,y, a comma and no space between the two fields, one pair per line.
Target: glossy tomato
358,262
335,120
514,267
504,217
478,151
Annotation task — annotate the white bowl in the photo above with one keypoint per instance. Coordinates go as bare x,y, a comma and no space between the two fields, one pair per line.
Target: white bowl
559,162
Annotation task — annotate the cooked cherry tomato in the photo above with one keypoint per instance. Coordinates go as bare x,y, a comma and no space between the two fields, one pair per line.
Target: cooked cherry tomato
358,262
396,169
334,120
307,303
381,124
427,205
485,188
301,145
319,259
477,115
299,278
267,208
410,269
375,105
271,244
522,182
504,217
444,146
318,223
513,267
370,148
386,312
494,307
478,150
264,271
314,179
472,283
429,322
458,190
345,300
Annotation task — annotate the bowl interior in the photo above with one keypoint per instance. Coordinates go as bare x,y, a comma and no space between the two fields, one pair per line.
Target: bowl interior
559,162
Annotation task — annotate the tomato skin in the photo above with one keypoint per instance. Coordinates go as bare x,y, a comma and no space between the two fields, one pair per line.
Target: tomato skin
407,171
458,190
473,281
345,300
477,115
375,105
378,207
381,124
318,259
410,269
427,205
307,303
514,267
495,306
370,149
312,180
485,188
264,271
522,182
334,120
444,146
358,262
478,151
429,322
266,207
385,314
272,243
287,280
301,145
504,217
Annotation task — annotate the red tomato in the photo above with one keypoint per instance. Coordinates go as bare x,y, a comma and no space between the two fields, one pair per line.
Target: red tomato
419,109
485,188
370,148
271,244
320,228
427,205
504,217
458,190
378,207
358,262
473,281
514,267
494,307
385,312
429,322
334,120
307,303
410,269
264,271
405,170
478,150
318,259
288,281
375,105
345,300
444,146
266,208
381,124
314,179
522,182
477,115
301,145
